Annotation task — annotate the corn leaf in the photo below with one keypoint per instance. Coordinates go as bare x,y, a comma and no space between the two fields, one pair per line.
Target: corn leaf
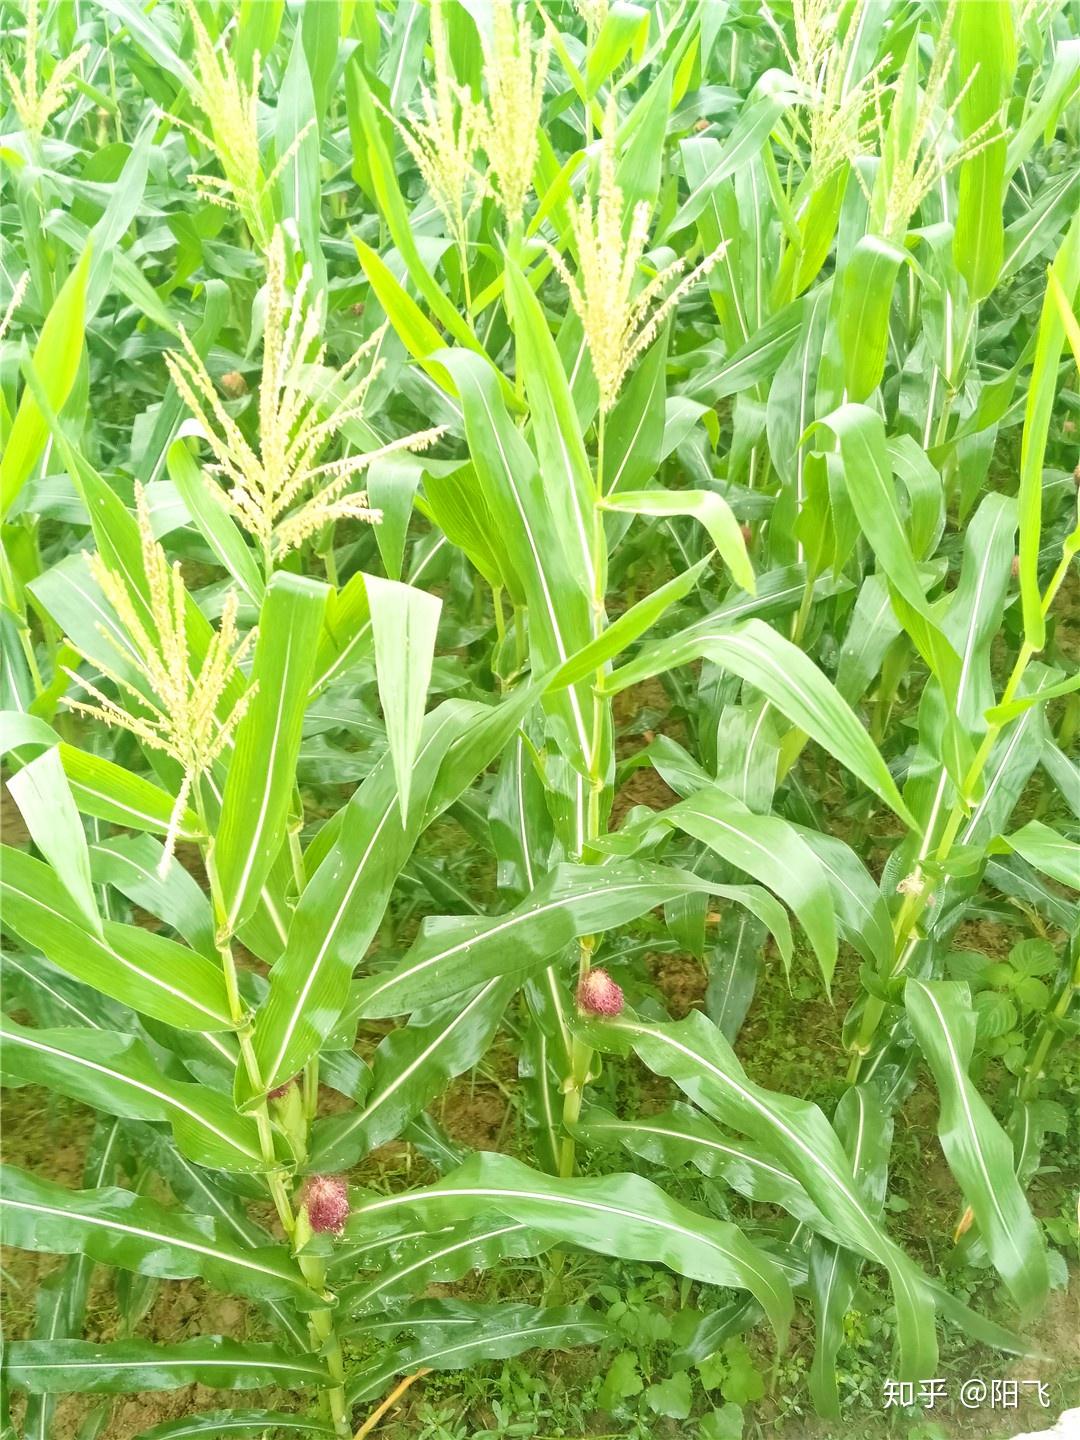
259,785
116,1073
152,974
979,1152
621,1215
126,1367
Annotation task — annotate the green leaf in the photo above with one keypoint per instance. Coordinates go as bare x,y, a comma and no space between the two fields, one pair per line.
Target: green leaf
560,609
705,506
204,1194
556,433
236,1422
1002,714
56,360
979,1153
415,330
629,626
698,1058
866,285
203,503
343,903
126,1367
392,206
974,615
442,1258
1047,851
789,678
62,1295
116,1073
621,1381
859,433
756,360
117,1227
625,28
671,1397
346,633
262,771
457,504
451,954
768,848
723,1424
620,1215
149,972
410,1067
771,96
634,433
108,791
43,795
453,1335
833,1273
404,623
683,1136
734,967
862,917
986,66
1042,388
132,865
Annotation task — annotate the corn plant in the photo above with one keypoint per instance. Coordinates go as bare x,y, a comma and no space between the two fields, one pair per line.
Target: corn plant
389,388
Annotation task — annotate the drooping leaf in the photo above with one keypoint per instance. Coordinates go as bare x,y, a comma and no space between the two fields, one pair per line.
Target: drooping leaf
150,973
763,658
713,512
453,954
1055,855
620,1215
237,1422
116,1074
979,1152
797,1135
125,1367
453,1335
118,1227
43,795
440,1258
